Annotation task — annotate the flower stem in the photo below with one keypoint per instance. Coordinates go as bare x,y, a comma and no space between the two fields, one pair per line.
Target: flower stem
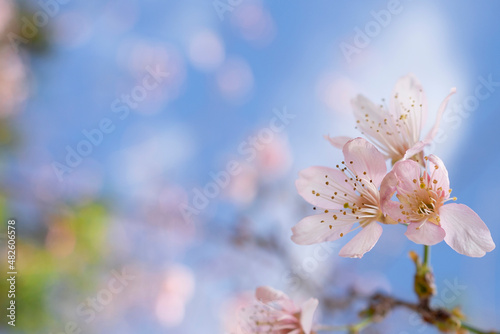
427,255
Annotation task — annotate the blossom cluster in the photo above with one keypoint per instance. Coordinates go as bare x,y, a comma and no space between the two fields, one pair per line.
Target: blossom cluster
360,194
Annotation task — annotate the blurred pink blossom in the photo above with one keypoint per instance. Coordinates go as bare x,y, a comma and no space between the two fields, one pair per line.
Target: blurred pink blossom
274,312
254,23
275,158
13,82
176,291
234,80
206,50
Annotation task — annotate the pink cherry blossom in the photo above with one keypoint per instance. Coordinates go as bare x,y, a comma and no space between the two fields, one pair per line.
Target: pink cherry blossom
275,313
347,195
396,129
422,197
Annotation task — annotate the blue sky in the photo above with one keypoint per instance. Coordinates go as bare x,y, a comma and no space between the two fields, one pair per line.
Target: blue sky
288,57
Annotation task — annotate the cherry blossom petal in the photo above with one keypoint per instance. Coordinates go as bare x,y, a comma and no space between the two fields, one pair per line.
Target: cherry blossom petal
388,186
466,233
320,228
408,94
407,173
363,106
374,121
425,234
307,315
266,294
417,148
365,160
389,207
339,141
363,241
432,133
312,186
394,210
438,172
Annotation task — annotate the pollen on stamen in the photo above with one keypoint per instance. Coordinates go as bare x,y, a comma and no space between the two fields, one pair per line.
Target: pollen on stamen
330,227
317,194
341,235
454,198
326,211
327,183
434,181
414,180
335,217
346,205
314,208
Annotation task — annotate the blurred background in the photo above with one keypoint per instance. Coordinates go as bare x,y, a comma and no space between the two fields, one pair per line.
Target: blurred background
149,151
